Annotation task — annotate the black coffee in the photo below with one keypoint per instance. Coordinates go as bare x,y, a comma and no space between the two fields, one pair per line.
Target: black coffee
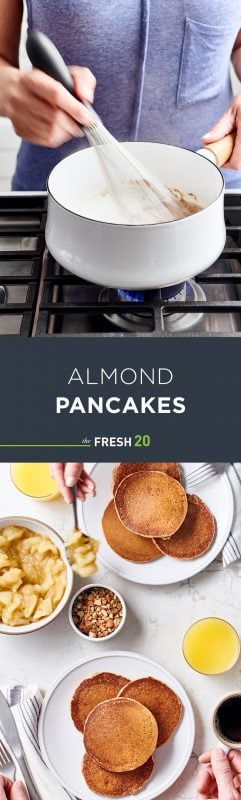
228,719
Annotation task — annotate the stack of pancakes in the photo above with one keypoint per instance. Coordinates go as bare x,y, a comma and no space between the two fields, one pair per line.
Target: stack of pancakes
151,515
122,723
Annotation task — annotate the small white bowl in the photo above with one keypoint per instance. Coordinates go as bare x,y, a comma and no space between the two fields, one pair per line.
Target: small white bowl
42,528
109,635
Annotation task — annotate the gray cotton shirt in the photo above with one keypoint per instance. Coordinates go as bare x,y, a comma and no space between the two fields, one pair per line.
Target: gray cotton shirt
162,69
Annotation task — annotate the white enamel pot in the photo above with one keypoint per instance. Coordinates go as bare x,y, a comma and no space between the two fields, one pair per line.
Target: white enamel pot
139,256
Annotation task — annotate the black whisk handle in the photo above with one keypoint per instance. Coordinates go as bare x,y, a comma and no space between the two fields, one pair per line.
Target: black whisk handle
44,56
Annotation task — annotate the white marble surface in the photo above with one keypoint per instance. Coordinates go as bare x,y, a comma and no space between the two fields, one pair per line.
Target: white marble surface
156,621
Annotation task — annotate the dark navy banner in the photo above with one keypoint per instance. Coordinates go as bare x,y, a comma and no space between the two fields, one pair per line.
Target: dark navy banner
93,399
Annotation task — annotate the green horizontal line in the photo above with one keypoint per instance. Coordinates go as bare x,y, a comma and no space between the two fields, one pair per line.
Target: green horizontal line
45,445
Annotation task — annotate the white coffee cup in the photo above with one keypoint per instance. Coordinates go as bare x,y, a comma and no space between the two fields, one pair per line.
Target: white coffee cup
226,720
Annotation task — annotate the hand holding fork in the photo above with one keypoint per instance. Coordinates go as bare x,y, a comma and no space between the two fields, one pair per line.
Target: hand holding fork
9,788
12,791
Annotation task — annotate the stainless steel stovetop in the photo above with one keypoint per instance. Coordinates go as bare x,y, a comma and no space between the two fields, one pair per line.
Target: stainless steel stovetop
40,298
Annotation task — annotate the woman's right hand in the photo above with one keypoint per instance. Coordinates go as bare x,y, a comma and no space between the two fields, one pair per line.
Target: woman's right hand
42,111
221,776
68,475
12,791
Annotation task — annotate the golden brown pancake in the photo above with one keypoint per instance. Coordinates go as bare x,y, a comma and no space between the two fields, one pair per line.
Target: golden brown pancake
151,503
158,543
124,542
120,734
91,691
164,704
115,784
122,470
195,535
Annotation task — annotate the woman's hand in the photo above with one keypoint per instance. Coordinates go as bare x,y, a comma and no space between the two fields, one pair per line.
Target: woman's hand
229,122
221,777
42,111
68,475
12,791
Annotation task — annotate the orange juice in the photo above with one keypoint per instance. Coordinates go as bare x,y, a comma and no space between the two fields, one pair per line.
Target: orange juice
35,481
211,646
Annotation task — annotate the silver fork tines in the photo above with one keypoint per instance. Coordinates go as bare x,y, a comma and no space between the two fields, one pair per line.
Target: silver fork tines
7,766
200,474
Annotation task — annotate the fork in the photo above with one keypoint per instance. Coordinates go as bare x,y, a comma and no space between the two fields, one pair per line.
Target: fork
74,503
203,473
7,766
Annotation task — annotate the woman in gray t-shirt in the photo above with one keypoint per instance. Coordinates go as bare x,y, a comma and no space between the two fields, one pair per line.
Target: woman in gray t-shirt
162,69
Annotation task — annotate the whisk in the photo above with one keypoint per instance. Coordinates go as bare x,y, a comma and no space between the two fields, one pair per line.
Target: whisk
141,198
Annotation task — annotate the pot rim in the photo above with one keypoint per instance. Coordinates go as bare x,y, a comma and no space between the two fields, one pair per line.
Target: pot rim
150,224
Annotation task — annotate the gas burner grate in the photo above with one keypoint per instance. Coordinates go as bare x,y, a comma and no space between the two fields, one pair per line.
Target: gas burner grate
22,243
40,298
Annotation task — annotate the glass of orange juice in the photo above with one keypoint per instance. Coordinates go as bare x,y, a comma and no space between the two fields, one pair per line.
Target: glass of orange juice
34,480
211,646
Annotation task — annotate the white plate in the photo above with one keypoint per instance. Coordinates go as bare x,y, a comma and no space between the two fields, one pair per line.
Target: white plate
216,493
62,745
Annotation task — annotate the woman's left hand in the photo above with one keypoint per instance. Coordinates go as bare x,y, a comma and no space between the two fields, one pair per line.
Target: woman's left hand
229,122
12,791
